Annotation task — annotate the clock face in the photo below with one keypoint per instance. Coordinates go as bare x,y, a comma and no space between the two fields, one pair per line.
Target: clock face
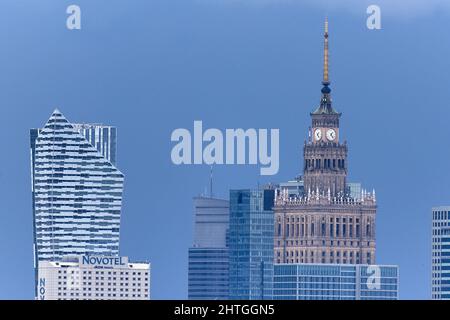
318,134
331,134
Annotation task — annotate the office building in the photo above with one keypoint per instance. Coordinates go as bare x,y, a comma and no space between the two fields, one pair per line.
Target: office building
212,218
208,274
101,137
294,188
251,244
440,253
208,257
355,190
93,278
335,282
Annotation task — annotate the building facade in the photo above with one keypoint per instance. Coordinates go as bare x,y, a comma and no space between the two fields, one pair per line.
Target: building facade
335,282
211,222
326,224
101,137
208,274
208,257
440,253
251,244
294,188
93,278
76,191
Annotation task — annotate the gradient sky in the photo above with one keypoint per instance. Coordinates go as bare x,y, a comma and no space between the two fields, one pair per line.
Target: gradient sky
149,67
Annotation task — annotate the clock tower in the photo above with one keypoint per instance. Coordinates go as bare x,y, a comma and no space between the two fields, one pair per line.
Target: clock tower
325,157
327,221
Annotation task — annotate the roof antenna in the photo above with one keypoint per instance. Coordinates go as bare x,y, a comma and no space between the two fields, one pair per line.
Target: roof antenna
211,182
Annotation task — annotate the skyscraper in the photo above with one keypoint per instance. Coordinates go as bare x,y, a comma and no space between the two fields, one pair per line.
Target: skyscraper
76,190
440,253
103,138
335,282
212,218
251,244
325,224
208,256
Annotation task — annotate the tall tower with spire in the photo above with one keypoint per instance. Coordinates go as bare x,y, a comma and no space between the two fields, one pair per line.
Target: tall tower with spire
325,158
325,224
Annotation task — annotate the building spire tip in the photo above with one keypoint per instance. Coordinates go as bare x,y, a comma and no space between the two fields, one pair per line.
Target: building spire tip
326,79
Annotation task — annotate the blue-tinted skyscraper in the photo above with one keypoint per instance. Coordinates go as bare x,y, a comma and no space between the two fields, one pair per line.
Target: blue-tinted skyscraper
440,253
101,137
251,244
294,188
76,190
208,257
208,274
335,282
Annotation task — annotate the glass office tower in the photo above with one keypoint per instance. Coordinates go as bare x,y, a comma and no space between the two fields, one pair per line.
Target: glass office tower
335,282
208,257
76,190
208,274
251,244
440,253
103,138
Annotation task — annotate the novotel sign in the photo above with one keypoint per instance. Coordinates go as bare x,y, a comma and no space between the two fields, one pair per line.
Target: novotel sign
104,261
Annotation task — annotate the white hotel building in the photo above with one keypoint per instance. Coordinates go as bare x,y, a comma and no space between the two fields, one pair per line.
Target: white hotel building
93,278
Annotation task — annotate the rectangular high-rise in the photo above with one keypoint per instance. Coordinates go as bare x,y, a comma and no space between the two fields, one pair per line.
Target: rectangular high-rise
335,282
251,244
208,274
440,253
208,256
76,190
212,219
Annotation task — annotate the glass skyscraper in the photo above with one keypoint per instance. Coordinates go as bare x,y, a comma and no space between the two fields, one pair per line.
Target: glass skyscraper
440,253
295,188
208,257
103,138
208,274
355,190
76,190
251,244
335,282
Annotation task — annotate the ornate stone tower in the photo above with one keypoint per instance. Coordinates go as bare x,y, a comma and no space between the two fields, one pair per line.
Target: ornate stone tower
325,224
325,158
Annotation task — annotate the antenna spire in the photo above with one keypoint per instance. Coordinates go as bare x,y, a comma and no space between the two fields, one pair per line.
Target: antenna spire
326,80
325,101
211,182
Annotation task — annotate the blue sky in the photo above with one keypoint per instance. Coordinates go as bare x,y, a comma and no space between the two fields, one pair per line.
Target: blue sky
149,67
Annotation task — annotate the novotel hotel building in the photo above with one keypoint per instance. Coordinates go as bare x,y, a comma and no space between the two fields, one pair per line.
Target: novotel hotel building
93,278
